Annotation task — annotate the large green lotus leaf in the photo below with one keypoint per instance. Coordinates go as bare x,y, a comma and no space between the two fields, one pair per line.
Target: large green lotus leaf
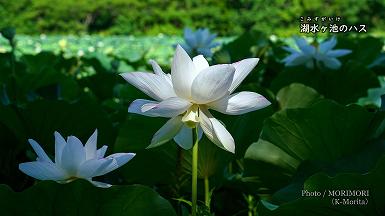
324,132
374,202
82,198
361,162
345,85
297,95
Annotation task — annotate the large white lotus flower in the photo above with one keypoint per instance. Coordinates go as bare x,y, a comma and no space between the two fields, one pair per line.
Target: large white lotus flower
73,160
199,42
308,54
189,92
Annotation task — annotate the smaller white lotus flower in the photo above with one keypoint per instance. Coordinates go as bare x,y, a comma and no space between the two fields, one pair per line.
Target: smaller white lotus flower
73,161
308,54
199,42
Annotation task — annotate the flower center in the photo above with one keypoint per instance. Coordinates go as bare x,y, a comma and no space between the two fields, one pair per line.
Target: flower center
191,117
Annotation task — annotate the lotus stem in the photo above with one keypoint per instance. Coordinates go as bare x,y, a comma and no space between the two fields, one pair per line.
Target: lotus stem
194,171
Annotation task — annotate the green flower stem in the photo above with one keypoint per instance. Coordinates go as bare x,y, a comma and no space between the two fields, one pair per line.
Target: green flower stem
194,171
207,192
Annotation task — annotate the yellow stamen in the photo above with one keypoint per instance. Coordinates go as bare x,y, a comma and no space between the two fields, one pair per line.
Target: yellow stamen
191,117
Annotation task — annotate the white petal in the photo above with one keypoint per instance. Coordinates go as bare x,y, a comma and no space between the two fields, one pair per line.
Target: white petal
166,132
200,63
43,170
304,46
212,83
90,168
97,167
42,156
332,63
338,53
184,138
240,103
216,132
136,106
100,184
106,169
158,71
90,146
101,152
121,158
183,73
153,85
155,66
59,146
168,108
73,155
327,45
242,69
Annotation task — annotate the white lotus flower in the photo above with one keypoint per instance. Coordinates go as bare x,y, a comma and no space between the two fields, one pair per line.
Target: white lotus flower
73,160
308,54
189,92
199,42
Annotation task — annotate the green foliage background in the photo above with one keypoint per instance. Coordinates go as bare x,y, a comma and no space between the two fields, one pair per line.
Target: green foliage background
165,16
324,130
